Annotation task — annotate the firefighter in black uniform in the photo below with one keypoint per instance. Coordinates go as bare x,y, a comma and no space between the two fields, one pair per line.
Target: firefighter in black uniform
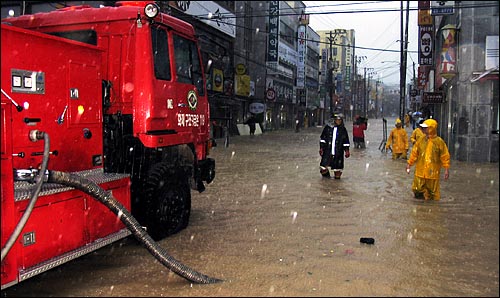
333,146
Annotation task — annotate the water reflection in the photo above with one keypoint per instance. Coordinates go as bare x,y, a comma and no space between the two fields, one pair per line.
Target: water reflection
270,225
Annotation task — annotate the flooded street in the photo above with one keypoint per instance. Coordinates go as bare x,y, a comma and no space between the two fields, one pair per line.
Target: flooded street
270,225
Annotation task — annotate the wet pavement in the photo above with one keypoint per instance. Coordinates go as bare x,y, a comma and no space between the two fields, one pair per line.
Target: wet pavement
270,225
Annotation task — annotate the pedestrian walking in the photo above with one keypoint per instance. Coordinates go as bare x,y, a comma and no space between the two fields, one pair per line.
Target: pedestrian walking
416,116
417,133
429,154
398,141
333,146
358,132
407,119
251,124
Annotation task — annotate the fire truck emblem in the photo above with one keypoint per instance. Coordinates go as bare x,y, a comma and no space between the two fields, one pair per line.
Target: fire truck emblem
192,100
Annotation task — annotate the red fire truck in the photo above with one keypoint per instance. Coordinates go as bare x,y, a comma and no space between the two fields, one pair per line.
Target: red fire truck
112,94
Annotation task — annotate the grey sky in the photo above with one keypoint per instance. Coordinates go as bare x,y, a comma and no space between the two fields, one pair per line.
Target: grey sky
377,30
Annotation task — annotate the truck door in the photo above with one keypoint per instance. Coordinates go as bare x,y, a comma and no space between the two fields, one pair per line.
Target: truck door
179,81
189,77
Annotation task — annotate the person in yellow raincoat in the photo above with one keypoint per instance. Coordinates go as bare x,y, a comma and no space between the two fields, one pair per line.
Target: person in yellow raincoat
429,154
417,133
399,141
407,119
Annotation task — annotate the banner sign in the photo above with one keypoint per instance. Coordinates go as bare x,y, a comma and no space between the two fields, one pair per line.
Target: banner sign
242,85
324,63
274,22
301,53
426,45
256,107
433,97
218,80
442,7
423,77
424,13
221,19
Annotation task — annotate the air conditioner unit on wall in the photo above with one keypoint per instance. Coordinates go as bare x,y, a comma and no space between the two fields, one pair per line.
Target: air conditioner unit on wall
491,52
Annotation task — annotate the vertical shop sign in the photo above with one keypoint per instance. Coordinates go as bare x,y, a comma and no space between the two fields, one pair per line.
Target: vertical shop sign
423,77
426,45
347,79
424,13
324,63
272,46
301,53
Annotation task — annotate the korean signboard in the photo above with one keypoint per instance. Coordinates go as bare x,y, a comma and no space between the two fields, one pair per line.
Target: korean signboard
272,46
442,7
424,13
222,20
433,97
423,76
301,53
425,45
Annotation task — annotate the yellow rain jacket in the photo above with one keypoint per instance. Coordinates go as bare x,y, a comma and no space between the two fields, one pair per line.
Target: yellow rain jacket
398,139
430,154
416,134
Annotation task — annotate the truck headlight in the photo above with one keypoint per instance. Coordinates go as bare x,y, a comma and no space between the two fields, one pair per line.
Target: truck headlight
151,10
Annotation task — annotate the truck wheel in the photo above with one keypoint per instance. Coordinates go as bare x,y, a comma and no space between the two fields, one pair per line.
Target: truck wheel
168,201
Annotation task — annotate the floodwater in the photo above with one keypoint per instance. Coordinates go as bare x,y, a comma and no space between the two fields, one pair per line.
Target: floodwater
270,225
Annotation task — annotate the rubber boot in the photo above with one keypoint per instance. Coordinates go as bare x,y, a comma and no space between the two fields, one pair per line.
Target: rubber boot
337,174
324,172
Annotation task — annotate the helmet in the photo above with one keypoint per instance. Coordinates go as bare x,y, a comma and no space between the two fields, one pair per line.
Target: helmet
398,121
338,116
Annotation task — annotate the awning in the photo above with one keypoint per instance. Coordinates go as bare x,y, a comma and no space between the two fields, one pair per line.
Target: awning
490,72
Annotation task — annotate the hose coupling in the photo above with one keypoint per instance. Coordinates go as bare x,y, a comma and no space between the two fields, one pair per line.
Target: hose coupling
29,175
36,135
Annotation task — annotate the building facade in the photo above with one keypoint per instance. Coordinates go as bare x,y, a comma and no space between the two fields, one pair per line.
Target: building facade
337,69
459,85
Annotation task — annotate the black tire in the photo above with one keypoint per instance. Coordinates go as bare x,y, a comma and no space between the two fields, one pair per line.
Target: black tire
167,200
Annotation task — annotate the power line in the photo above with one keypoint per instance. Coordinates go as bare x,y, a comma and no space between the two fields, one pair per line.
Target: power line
293,12
284,12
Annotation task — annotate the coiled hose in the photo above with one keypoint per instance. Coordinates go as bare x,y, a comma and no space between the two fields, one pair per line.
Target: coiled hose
131,223
37,135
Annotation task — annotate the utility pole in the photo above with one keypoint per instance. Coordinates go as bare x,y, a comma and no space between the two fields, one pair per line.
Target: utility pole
331,89
332,66
365,91
415,87
364,95
404,47
376,98
357,102
355,87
